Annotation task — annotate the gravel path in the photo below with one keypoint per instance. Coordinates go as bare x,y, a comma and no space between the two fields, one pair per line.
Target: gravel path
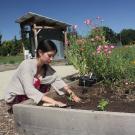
6,67
7,126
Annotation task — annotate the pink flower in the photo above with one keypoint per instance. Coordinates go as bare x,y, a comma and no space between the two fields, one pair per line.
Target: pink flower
97,37
106,50
99,48
98,52
74,27
112,46
98,17
88,22
106,47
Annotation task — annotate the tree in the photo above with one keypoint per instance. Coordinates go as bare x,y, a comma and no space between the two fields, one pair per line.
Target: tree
16,47
0,39
127,36
11,47
110,35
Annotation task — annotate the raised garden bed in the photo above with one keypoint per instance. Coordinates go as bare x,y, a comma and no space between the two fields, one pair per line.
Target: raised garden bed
81,118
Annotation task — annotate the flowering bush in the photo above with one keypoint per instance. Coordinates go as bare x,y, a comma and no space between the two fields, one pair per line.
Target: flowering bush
93,54
97,34
111,66
78,54
79,51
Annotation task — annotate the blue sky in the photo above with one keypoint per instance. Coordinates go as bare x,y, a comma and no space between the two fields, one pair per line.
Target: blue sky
117,14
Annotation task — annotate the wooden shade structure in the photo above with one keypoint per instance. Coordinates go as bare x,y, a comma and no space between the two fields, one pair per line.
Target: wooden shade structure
32,24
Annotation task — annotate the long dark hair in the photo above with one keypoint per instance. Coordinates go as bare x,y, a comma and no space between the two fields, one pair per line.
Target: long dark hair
46,46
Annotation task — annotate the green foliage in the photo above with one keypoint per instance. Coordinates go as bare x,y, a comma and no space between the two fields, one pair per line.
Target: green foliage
0,39
3,51
95,54
12,62
11,47
127,36
11,59
110,35
102,104
79,51
27,45
97,36
115,66
69,98
78,54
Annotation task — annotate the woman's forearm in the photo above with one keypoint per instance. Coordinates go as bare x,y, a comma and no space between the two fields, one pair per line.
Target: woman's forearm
48,100
53,102
67,89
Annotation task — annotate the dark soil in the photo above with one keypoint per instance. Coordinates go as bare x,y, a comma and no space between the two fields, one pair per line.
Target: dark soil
120,100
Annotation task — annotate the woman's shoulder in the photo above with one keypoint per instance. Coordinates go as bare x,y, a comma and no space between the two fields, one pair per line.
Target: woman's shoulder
28,63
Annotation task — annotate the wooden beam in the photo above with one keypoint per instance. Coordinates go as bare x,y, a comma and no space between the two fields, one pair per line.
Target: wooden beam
44,27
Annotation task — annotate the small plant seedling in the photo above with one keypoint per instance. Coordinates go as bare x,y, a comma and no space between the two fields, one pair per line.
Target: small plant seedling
102,104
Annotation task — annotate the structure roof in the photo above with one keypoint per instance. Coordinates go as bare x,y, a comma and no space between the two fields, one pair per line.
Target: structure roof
33,18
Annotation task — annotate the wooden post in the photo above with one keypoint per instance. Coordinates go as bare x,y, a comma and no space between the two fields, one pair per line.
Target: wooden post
22,38
35,38
65,38
36,30
65,44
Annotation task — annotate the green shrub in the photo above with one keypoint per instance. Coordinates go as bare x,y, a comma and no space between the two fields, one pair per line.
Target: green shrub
78,54
11,59
113,67
12,62
94,54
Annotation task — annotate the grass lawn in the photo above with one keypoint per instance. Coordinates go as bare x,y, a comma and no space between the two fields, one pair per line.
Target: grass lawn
11,59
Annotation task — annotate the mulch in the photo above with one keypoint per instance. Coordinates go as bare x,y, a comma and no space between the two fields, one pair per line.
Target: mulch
7,124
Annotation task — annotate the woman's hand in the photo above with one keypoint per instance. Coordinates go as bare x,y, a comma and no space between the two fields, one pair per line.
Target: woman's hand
57,104
72,95
60,104
75,98
51,102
